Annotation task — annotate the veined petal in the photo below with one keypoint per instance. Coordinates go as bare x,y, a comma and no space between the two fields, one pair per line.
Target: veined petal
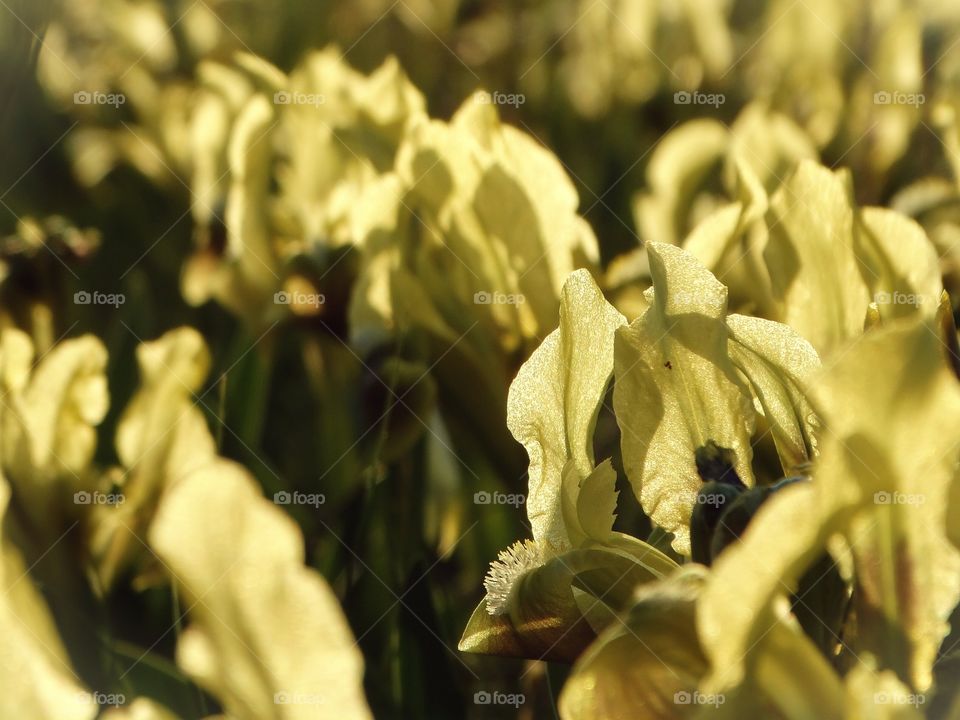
891,409
779,365
676,390
818,280
554,400
646,666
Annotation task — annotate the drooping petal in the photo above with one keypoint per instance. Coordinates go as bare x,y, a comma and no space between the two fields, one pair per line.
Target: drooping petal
265,630
891,409
646,666
36,679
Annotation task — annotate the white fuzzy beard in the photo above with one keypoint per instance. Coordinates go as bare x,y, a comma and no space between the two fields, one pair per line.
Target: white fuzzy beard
511,564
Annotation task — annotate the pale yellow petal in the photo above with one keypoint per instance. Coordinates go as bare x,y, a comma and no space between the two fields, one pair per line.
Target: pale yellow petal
64,401
162,436
265,631
555,398
36,679
779,365
891,409
676,390
818,281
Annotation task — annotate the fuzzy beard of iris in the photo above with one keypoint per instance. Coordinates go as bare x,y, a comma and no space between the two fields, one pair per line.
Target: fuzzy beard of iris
511,564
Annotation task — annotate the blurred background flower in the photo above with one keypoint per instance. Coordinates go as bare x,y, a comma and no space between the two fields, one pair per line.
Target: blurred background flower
302,250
